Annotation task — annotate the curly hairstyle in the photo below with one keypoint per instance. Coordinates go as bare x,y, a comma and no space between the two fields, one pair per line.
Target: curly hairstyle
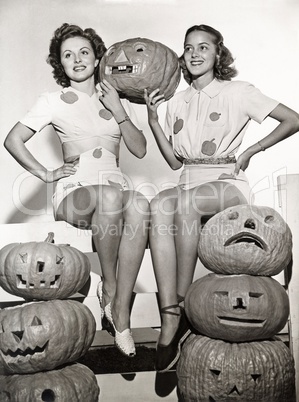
223,69
70,31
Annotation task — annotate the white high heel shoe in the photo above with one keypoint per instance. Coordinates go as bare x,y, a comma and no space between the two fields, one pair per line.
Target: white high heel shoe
100,297
123,340
106,324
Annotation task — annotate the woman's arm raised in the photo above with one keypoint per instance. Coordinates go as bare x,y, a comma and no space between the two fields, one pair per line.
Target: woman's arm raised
133,137
153,101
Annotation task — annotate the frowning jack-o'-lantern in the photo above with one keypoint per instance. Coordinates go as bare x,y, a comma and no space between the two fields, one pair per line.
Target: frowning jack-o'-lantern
246,239
237,308
43,335
212,370
140,63
74,383
43,270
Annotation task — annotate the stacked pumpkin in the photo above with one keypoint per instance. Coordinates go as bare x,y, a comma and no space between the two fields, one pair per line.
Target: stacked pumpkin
238,310
41,339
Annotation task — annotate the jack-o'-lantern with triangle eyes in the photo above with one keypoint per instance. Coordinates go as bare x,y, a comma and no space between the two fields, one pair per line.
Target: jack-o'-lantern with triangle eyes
212,370
246,239
43,270
140,63
237,308
73,383
40,336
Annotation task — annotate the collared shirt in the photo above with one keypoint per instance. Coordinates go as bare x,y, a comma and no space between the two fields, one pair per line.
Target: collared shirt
75,115
211,123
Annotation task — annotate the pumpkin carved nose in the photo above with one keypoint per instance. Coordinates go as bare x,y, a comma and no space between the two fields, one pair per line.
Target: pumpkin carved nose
239,304
249,224
18,335
121,57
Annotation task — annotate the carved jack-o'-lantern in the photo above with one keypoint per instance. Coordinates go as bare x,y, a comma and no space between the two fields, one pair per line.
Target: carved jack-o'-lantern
43,270
213,370
237,308
140,63
246,239
43,335
74,383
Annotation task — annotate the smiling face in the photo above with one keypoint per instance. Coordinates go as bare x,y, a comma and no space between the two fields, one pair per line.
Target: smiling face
200,55
78,59
139,63
42,335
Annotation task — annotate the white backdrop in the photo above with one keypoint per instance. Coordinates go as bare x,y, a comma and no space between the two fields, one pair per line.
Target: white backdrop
262,35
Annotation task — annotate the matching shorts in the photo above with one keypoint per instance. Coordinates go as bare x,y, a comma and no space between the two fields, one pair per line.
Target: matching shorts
194,175
96,166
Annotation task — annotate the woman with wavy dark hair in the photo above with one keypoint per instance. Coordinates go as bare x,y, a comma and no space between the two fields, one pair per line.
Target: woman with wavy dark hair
204,128
91,191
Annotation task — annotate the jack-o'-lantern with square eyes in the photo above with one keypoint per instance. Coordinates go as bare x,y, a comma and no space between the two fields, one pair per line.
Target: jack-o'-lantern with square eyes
43,270
73,383
246,239
237,308
140,63
40,336
212,370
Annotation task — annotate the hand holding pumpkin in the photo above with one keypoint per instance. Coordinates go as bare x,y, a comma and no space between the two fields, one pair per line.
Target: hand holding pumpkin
110,97
153,101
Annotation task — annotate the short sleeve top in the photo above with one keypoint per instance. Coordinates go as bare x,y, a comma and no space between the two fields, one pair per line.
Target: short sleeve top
75,115
211,123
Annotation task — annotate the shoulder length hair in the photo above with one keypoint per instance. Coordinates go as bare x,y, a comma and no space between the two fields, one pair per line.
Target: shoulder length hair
223,68
71,31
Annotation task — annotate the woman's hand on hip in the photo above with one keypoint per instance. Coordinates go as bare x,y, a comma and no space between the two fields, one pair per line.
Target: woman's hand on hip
66,170
242,163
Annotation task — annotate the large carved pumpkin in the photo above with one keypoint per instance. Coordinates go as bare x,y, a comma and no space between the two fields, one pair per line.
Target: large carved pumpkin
140,63
246,239
237,308
73,383
43,270
43,335
213,370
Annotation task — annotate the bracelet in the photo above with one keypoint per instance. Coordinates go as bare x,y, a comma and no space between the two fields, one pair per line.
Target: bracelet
127,118
262,148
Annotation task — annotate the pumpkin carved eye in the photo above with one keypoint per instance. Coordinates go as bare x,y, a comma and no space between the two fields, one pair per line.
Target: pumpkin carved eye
269,219
255,377
139,47
215,373
233,215
110,51
23,257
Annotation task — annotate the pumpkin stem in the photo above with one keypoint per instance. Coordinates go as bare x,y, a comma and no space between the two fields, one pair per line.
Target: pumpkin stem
50,238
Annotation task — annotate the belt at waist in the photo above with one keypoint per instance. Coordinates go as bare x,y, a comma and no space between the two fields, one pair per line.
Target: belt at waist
210,161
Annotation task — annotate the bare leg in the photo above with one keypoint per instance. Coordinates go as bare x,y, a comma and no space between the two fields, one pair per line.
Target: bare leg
118,221
164,257
175,254
131,251
202,202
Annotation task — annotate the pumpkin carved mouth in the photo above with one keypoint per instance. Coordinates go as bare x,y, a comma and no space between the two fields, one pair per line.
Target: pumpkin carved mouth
240,322
26,352
122,69
23,284
246,238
